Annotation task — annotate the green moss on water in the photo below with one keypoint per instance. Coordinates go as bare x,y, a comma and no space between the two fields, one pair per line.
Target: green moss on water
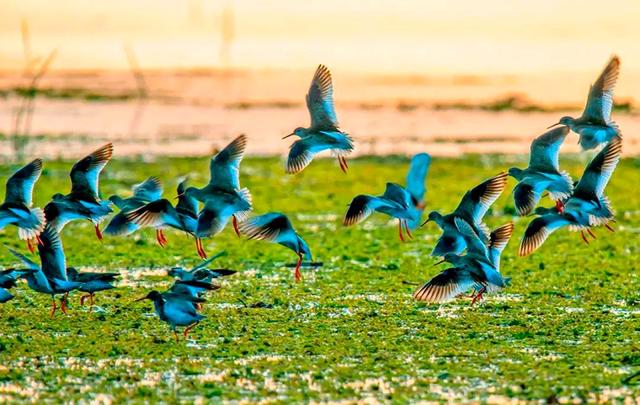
566,328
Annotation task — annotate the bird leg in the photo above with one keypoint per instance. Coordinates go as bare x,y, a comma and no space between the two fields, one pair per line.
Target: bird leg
160,238
406,228
400,230
478,296
590,232
176,335
200,249
609,227
63,303
188,328
584,238
42,244
54,307
560,207
84,297
98,232
30,246
343,163
234,221
91,299
199,306
296,272
164,238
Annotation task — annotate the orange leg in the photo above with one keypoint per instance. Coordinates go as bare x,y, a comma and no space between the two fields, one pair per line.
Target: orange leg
91,299
30,246
176,335
160,238
200,249
478,296
54,307
234,221
63,303
343,164
609,227
98,232
296,273
84,297
188,328
400,230
406,228
39,240
584,238
590,232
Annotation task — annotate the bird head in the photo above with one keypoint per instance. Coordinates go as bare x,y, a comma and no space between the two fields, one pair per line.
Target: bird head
515,172
153,296
300,132
566,120
116,200
57,197
175,272
433,216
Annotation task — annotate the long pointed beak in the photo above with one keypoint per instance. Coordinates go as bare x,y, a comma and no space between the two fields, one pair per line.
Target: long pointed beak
439,263
291,134
178,196
425,222
554,125
140,299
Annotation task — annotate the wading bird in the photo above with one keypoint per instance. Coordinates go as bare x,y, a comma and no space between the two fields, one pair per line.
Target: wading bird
416,177
472,208
478,269
543,173
395,202
587,207
595,126
176,310
276,227
324,132
201,272
16,208
91,283
83,202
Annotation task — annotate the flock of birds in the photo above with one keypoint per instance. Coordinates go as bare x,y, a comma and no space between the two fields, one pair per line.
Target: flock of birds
466,242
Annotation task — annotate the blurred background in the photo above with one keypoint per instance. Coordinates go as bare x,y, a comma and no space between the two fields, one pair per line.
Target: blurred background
182,77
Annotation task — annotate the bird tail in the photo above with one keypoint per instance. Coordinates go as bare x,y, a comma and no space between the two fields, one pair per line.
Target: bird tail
32,224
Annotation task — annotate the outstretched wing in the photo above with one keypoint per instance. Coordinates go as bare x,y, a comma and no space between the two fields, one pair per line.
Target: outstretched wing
361,207
416,177
498,241
86,172
538,231
208,261
271,227
600,99
155,214
445,286
303,150
471,238
545,150
476,202
24,259
225,166
149,190
597,174
526,196
20,184
320,101
54,264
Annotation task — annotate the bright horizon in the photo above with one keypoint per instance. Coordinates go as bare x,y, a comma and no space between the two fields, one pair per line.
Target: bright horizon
441,37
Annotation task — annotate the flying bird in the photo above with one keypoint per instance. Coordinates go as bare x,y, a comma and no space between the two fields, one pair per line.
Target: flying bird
91,282
277,228
395,202
472,208
16,208
84,201
543,173
201,272
324,132
595,126
8,280
478,269
416,176
586,208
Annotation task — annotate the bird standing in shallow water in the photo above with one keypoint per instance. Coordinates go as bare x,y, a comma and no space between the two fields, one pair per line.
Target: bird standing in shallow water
478,269
416,176
587,207
324,132
16,209
276,227
51,276
84,201
595,126
176,310
543,173
395,202
472,208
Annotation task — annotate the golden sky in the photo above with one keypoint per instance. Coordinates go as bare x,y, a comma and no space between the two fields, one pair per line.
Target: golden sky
405,36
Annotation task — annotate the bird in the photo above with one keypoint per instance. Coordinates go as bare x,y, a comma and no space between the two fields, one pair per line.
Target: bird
472,208
415,185
324,132
176,309
276,227
50,277
478,269
594,126
201,272
161,213
223,198
146,192
586,208
83,202
395,202
543,173
8,280
16,208
91,282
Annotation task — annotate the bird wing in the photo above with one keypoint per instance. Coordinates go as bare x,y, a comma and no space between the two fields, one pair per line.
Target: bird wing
213,217
526,196
86,172
207,262
155,214
445,286
24,259
471,238
320,100
476,202
416,176
597,174
186,204
225,166
362,206
600,99
271,227
398,194
498,241
538,231
54,264
302,151
545,150
149,190
20,184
